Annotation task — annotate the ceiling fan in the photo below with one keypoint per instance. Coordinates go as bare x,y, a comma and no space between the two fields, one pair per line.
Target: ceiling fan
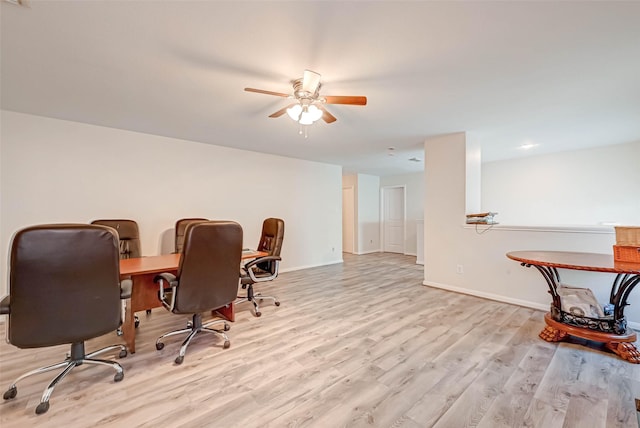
309,105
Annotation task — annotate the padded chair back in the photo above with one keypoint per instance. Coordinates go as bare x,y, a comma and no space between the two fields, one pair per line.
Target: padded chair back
208,271
129,236
271,241
64,284
181,226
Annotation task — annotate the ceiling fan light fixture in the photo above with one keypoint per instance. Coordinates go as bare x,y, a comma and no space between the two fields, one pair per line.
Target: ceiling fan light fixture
304,114
294,112
306,118
315,112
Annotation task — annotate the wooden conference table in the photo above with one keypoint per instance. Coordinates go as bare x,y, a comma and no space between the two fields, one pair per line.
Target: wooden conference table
144,293
612,330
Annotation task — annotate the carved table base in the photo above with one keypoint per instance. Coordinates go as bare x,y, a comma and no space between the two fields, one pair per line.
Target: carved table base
620,344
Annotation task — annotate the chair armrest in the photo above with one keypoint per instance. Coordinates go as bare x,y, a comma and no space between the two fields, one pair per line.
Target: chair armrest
271,277
126,285
5,305
254,262
172,281
169,278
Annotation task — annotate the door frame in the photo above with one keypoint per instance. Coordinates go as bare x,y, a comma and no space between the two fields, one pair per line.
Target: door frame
404,213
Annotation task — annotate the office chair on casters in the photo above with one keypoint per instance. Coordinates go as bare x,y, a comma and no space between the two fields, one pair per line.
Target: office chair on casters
265,268
128,235
207,278
180,228
64,288
129,245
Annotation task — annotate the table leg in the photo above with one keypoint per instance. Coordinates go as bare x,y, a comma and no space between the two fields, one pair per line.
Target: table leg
627,351
552,334
129,329
227,312
620,344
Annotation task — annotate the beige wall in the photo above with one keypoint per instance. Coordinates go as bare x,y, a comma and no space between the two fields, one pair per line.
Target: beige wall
56,171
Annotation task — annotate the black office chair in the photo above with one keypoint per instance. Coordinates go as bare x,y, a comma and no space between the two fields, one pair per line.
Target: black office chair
180,228
207,278
263,269
65,288
129,244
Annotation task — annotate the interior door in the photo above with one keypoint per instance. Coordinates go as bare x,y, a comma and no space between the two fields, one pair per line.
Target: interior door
348,219
393,212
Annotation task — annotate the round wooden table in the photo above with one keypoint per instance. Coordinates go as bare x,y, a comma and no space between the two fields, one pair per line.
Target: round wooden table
614,333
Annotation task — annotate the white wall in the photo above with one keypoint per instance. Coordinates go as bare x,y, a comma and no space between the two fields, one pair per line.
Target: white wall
487,271
368,213
584,187
414,185
56,171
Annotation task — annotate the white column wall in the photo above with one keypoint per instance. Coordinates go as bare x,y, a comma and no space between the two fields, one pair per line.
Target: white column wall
56,171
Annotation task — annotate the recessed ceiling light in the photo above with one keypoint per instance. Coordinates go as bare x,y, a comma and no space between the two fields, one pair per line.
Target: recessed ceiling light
415,159
528,146
24,3
391,151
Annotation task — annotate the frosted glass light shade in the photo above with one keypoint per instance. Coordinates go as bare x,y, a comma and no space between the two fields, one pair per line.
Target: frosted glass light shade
294,112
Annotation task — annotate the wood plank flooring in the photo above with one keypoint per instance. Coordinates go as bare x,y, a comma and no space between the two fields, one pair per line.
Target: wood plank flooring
352,345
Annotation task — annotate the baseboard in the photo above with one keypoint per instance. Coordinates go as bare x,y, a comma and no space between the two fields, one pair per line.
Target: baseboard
362,253
295,268
503,299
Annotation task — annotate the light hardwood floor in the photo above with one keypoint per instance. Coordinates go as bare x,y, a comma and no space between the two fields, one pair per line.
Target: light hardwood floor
356,344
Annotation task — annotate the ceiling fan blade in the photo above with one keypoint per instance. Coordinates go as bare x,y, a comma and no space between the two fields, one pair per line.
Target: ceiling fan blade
281,111
261,91
353,100
326,116
310,81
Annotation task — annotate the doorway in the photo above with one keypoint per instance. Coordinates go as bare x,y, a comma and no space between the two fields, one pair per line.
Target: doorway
393,219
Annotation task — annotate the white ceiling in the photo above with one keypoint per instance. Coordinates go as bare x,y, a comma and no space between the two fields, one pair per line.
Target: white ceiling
563,75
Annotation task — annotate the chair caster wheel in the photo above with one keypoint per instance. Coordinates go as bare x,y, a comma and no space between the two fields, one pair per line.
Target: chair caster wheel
148,311
42,408
227,327
258,313
122,354
136,323
226,344
179,359
118,377
277,303
10,393
159,345
119,332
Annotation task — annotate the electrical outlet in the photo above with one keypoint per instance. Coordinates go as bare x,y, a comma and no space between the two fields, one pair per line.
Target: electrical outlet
459,269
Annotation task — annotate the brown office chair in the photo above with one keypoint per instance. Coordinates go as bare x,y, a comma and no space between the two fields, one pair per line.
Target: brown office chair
207,278
65,288
181,225
265,268
128,234
129,244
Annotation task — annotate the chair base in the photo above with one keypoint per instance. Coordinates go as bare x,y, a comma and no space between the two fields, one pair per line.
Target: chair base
253,298
76,358
194,327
